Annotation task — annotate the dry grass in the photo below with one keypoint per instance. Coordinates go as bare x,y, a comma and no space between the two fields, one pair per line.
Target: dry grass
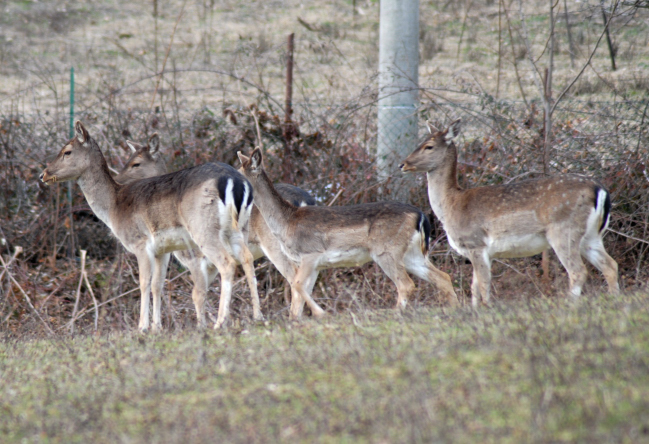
531,368
537,370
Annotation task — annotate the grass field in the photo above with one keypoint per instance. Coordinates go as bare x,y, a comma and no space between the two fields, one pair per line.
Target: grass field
544,370
531,368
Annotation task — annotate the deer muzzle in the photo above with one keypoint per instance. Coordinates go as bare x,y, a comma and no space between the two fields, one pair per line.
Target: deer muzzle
406,167
47,178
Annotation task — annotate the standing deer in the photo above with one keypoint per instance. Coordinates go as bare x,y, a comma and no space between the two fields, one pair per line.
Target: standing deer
568,212
204,207
146,161
392,234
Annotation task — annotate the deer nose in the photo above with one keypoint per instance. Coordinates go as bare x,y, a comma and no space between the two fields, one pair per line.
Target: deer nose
41,176
401,166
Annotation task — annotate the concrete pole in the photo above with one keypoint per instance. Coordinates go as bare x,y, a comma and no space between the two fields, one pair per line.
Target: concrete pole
398,89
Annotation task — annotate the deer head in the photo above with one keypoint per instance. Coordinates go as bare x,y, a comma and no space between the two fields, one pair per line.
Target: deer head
74,158
437,150
145,161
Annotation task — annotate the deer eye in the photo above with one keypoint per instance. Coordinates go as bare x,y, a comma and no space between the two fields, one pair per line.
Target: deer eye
135,165
67,153
429,147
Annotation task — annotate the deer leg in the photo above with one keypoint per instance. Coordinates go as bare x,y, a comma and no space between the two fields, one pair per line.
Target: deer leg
399,275
198,273
307,286
201,281
144,266
302,286
227,269
209,272
234,241
481,285
157,284
566,246
405,286
227,266
296,306
247,262
423,269
287,268
443,281
595,253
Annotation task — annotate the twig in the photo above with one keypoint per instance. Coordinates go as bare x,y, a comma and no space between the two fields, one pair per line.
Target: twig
85,279
570,42
459,43
76,301
530,57
164,63
567,88
16,253
340,191
84,310
611,50
307,25
628,236
253,111
29,301
179,275
58,287
500,42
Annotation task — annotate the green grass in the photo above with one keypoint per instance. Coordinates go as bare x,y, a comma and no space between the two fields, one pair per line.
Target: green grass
542,371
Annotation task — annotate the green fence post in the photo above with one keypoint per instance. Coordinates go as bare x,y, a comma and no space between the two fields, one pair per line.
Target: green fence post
72,243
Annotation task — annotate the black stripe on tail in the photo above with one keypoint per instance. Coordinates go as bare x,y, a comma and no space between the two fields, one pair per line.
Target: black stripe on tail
424,225
607,206
238,190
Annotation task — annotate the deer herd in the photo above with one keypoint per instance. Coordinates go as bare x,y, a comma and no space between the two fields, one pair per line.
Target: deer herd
213,217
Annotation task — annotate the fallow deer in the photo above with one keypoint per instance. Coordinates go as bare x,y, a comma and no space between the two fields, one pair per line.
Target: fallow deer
203,207
392,234
146,161
567,212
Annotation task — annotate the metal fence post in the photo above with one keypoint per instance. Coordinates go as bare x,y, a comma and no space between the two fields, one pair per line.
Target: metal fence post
398,89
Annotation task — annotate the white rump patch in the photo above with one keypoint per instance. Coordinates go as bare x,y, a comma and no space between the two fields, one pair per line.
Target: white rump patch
414,260
596,216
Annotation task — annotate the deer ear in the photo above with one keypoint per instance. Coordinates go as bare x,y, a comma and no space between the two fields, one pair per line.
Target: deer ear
131,146
245,160
453,130
256,159
81,132
154,143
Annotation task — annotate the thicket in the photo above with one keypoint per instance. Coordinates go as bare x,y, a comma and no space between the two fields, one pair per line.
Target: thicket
204,112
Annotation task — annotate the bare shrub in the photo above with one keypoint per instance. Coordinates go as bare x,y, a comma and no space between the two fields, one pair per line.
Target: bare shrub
204,108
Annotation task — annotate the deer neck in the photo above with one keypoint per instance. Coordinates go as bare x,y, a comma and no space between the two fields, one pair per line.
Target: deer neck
99,188
443,187
275,210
